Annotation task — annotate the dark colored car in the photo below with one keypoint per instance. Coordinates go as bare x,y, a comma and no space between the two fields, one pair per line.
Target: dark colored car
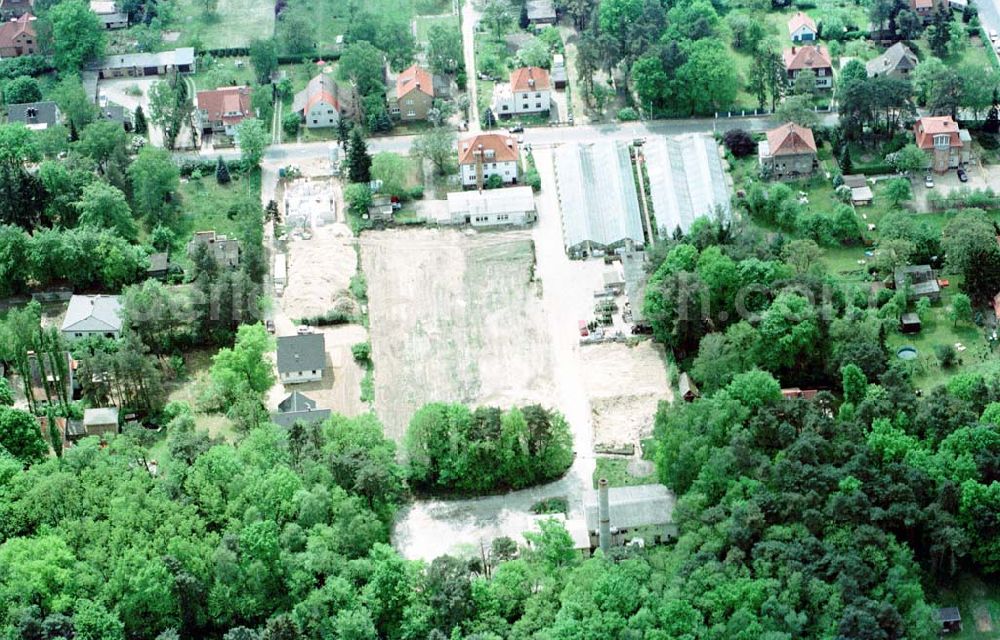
962,175
517,128
270,326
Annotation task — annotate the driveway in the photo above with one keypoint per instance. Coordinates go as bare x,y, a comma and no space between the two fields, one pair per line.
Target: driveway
470,18
117,90
980,177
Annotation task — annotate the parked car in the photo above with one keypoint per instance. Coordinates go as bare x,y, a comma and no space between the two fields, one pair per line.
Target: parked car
584,331
929,181
517,128
962,175
993,35
270,326
304,329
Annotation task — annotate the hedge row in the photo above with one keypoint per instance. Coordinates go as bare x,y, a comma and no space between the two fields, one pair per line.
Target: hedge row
24,66
292,58
207,167
874,169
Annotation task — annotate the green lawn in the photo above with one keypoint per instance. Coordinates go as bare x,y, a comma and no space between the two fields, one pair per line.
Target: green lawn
424,24
223,72
236,23
975,598
205,204
330,17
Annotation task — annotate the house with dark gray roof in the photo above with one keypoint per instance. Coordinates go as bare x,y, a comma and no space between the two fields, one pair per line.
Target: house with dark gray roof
898,61
298,408
34,115
89,316
117,113
301,358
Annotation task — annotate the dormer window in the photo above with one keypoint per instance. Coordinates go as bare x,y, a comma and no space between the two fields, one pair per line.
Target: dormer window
943,140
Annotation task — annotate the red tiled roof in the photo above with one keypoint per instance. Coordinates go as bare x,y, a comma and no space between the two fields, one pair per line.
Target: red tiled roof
9,31
922,4
926,128
800,20
790,139
228,104
529,79
503,146
807,57
415,78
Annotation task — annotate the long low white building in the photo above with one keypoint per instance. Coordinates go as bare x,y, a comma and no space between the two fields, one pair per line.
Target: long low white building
686,180
491,207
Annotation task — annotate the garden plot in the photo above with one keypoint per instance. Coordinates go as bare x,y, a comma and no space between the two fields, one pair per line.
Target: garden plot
454,317
625,384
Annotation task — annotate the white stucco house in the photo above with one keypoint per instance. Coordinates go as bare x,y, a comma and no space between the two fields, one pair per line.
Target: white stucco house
485,155
528,92
89,316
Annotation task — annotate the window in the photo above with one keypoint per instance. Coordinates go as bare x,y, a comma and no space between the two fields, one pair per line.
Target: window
538,95
942,140
411,114
504,108
315,121
524,106
329,112
77,335
314,371
409,102
538,105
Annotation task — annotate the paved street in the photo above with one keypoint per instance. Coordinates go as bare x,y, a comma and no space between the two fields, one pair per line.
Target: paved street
536,136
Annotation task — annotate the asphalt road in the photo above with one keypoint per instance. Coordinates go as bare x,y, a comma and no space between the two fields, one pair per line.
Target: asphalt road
535,136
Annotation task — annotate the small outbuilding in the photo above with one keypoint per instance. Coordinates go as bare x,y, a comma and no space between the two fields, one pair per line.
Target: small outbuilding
921,281
689,392
909,323
540,11
950,619
100,421
159,266
642,511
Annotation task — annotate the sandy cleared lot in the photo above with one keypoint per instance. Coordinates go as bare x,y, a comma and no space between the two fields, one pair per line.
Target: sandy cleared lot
454,317
625,384
320,268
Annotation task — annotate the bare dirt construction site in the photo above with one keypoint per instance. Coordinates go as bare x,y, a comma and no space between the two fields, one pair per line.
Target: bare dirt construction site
455,317
624,384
